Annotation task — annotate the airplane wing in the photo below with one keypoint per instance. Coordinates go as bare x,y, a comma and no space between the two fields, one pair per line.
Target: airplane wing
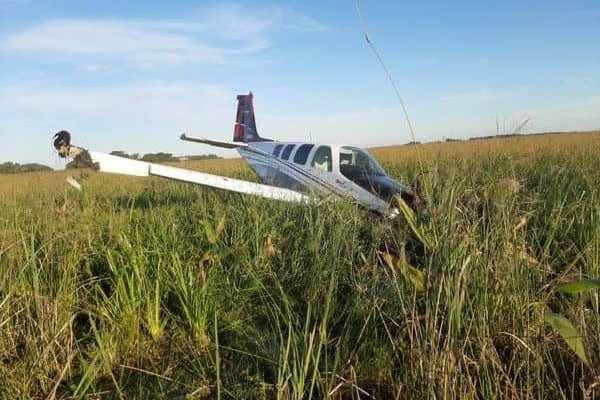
113,164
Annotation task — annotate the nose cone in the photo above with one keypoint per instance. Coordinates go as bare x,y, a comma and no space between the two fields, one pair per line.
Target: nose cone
386,188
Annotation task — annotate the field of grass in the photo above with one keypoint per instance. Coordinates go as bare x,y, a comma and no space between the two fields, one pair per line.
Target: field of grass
145,288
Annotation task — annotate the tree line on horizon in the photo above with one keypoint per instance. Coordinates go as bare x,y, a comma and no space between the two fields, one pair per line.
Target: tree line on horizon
160,157
10,167
15,168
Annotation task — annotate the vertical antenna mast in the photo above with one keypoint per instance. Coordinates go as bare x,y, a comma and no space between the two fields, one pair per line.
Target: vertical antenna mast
385,68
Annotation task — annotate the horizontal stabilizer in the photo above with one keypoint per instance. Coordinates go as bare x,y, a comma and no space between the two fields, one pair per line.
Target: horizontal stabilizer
226,145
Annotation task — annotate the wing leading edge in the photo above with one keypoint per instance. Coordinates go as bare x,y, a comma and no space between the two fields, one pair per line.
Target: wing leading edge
118,165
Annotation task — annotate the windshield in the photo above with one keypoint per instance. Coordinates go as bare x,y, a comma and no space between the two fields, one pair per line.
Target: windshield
357,163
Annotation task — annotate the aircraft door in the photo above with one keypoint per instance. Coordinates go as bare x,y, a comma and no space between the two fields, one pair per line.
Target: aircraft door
322,159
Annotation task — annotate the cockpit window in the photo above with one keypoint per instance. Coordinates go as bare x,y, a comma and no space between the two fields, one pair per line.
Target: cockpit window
287,151
358,164
322,159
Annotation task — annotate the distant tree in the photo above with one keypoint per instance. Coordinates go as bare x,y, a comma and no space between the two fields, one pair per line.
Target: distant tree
159,157
203,157
150,157
15,168
120,153
8,168
34,167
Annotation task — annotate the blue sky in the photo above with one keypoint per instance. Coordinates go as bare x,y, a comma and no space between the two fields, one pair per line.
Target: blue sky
133,75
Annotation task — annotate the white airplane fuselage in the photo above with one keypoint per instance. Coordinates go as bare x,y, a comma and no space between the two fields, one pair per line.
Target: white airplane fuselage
299,169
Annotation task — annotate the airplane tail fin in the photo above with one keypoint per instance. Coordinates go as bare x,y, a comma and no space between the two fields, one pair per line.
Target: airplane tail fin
245,124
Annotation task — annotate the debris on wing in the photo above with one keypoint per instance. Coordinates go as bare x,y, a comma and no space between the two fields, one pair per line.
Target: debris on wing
62,140
62,143
71,181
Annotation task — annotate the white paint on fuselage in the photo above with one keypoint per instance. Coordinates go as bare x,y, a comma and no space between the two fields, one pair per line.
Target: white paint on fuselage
302,177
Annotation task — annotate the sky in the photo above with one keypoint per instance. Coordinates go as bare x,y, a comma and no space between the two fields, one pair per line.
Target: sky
133,76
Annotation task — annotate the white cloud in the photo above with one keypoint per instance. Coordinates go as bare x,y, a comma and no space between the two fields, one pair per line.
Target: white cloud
138,44
432,60
580,115
295,21
154,99
580,80
216,36
477,96
94,68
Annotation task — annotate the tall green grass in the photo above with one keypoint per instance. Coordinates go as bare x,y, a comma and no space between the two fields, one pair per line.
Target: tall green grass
154,289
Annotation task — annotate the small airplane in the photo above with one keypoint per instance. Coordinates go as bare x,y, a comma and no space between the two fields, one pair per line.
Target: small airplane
290,171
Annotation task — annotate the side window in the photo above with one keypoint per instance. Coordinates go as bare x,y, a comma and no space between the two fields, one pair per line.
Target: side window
287,151
322,159
277,150
302,153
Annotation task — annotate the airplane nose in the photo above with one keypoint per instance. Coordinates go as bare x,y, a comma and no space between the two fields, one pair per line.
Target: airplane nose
388,188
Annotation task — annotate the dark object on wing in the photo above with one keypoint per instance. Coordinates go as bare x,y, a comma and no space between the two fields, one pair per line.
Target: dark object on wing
62,140
62,143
